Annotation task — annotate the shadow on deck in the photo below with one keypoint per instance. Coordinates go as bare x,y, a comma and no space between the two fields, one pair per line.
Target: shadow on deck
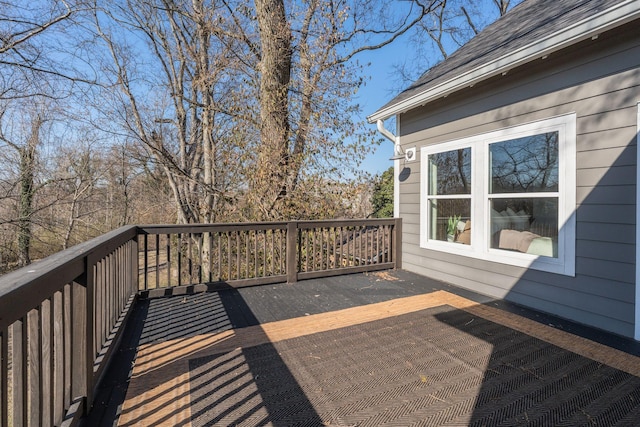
366,349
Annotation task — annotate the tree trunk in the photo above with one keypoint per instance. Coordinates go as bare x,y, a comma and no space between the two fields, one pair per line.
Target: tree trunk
275,70
27,178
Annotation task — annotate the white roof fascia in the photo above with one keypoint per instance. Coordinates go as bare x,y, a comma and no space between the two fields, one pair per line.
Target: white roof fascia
589,27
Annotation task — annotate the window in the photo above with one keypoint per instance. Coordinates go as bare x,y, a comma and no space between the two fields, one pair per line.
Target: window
506,196
449,193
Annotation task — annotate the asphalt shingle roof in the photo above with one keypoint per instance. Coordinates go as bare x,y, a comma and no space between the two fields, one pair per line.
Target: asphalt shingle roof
521,26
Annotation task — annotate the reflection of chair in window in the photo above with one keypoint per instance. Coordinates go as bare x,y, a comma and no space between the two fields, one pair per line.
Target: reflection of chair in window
518,231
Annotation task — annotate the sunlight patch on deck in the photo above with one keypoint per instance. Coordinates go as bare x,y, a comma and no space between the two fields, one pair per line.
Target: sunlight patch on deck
159,391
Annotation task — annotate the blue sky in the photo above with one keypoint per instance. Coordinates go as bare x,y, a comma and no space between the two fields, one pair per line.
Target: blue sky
383,85
380,88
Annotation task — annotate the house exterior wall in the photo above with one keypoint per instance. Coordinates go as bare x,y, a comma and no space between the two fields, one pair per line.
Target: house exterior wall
599,81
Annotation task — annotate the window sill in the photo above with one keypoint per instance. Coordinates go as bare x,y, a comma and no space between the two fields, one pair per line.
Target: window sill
515,259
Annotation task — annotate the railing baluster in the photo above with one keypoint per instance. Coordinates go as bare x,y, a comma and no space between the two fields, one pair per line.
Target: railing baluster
359,234
108,278
378,250
336,247
365,242
146,262
312,235
157,261
210,257
327,248
168,236
312,255
282,250
306,253
348,232
256,255
4,377
264,257
272,270
249,260
99,300
190,257
349,239
247,253
19,368
200,256
387,242
57,377
66,345
237,254
219,256
78,339
392,232
228,255
179,248
33,365
91,316
46,369
40,349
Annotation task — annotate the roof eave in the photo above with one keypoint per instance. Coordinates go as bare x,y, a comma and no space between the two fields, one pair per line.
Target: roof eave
606,20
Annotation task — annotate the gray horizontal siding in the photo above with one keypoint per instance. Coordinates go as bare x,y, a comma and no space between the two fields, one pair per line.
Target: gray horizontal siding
609,251
612,233
606,195
607,157
601,84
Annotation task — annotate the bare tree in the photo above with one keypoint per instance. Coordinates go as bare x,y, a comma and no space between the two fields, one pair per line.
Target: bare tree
452,24
30,73
34,53
23,138
245,99
307,70
186,112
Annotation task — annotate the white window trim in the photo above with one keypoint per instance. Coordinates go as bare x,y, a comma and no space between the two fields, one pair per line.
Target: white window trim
565,125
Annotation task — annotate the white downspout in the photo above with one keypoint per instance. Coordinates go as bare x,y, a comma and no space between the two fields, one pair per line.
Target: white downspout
396,165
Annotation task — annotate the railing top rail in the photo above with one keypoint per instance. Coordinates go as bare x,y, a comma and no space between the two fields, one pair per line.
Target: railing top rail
201,228
243,226
346,222
22,290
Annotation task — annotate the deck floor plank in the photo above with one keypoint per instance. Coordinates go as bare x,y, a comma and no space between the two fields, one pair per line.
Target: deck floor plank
182,344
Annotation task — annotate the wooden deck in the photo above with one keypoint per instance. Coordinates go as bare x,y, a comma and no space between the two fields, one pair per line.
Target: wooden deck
387,348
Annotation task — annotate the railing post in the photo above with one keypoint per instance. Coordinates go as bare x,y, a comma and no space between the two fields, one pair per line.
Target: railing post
397,243
292,250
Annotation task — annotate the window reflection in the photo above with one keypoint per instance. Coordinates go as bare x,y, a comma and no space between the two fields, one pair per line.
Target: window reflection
450,220
525,165
450,175
450,172
525,225
519,167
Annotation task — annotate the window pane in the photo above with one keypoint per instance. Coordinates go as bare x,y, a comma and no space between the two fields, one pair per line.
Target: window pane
450,220
525,225
450,172
525,165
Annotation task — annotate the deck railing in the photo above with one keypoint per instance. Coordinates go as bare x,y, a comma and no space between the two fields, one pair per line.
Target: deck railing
57,321
260,253
61,318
